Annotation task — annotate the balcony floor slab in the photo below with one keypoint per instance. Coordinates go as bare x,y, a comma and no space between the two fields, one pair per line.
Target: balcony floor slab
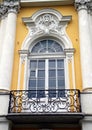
46,119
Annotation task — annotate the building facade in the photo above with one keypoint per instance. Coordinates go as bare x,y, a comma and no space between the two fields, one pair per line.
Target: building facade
45,64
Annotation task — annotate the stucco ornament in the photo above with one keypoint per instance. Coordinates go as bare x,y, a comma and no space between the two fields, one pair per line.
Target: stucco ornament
9,6
83,4
46,23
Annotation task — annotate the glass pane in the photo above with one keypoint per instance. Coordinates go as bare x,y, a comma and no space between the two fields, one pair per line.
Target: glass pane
61,84
60,63
51,50
32,74
52,73
60,72
52,83
41,73
41,84
57,47
43,43
51,63
32,84
33,64
43,50
50,42
36,48
41,64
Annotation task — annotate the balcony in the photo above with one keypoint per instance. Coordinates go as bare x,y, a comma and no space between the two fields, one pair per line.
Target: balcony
45,106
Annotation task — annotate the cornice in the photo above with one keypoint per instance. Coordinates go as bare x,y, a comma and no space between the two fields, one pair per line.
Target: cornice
30,3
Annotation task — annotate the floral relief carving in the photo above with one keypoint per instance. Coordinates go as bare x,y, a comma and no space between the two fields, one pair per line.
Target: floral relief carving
47,23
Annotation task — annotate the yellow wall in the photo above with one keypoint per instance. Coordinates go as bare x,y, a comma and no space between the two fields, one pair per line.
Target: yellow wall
72,31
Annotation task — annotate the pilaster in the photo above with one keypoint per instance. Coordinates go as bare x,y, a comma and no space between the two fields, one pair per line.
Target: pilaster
8,16
6,62
3,11
90,18
83,7
85,42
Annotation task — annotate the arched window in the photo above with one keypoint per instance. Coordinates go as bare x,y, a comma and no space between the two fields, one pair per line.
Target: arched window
46,68
47,61
47,46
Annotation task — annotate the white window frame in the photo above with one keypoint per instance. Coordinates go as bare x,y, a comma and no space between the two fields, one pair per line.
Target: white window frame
46,59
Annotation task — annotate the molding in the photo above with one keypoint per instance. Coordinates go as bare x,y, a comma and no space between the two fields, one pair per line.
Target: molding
3,10
9,6
4,92
70,59
89,89
82,4
90,7
12,6
69,53
30,3
88,118
23,54
3,119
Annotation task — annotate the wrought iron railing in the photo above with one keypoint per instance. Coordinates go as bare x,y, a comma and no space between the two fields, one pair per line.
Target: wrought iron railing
44,101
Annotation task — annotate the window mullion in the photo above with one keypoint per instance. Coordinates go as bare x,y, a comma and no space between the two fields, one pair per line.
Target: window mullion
56,75
46,74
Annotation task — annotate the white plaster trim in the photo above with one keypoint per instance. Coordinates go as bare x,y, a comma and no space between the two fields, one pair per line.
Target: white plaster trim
73,73
25,74
70,59
41,12
29,41
19,74
67,83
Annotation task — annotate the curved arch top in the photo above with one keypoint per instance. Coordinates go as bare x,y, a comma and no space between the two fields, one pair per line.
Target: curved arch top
46,46
47,11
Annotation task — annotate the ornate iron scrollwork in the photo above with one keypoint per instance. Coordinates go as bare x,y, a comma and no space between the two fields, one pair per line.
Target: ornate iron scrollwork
48,101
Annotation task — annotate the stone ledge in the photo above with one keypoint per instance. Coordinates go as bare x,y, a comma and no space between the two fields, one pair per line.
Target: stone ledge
28,3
